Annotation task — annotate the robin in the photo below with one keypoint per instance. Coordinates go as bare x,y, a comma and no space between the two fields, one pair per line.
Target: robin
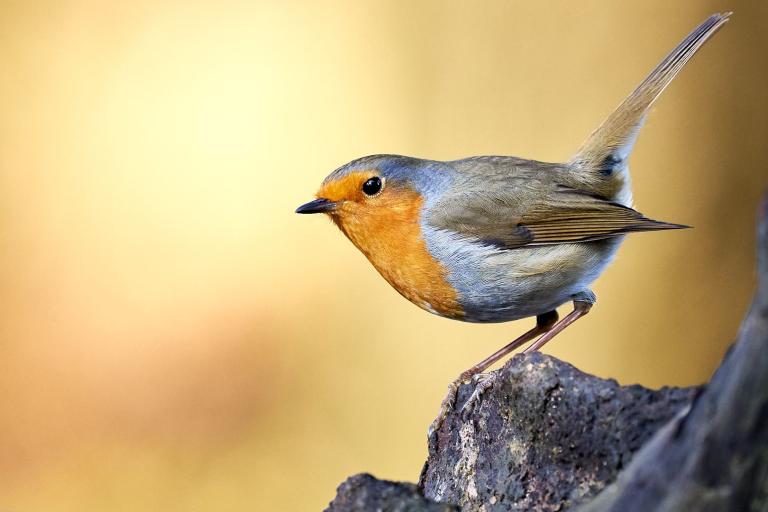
500,238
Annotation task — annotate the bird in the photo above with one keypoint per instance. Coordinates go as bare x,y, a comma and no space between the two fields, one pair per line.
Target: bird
501,238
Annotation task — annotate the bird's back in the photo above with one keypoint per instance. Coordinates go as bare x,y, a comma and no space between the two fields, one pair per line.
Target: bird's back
515,171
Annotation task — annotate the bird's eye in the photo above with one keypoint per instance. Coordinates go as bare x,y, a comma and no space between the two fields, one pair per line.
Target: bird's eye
372,186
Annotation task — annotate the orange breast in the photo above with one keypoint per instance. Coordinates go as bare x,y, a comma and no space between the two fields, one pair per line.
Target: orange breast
389,235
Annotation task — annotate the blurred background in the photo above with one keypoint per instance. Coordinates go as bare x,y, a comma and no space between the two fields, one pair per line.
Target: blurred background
174,337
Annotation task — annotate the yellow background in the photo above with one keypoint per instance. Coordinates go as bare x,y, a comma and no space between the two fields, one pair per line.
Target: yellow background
174,337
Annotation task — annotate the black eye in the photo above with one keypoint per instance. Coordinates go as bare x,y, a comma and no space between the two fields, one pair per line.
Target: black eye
372,186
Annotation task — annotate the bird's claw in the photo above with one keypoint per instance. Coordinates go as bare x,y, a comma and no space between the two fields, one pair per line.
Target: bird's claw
483,381
446,406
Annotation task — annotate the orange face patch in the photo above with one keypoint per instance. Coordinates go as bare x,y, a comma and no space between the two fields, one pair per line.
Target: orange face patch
386,229
346,188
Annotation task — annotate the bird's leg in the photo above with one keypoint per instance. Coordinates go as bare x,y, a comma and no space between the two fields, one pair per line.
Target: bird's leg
580,308
544,323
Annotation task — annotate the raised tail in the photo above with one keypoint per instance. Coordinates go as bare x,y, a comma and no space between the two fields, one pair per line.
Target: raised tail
609,146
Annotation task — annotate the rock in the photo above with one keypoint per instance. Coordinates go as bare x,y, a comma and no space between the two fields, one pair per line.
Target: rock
364,493
544,436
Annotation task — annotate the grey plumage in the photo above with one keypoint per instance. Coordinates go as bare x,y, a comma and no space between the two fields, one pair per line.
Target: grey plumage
517,237
577,211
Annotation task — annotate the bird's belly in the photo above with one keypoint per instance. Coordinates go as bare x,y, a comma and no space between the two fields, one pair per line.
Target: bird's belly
498,285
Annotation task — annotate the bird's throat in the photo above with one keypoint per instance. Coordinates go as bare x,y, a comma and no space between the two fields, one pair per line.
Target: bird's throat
390,237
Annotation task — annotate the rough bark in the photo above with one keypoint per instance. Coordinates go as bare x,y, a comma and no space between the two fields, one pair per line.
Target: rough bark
545,436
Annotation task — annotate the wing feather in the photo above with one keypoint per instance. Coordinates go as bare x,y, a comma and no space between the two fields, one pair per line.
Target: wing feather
526,213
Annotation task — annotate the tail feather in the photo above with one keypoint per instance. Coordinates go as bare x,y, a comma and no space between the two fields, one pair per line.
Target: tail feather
609,146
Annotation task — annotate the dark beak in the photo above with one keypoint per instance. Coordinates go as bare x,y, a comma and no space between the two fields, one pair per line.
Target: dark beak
317,206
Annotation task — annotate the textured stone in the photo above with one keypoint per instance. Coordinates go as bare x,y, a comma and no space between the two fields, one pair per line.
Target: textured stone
544,436
364,493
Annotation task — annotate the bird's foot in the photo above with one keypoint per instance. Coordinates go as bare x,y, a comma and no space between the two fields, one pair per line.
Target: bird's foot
447,406
483,381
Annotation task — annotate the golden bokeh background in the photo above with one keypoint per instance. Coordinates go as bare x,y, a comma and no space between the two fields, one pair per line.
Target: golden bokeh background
174,337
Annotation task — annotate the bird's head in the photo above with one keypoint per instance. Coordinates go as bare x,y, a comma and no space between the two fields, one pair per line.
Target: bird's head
377,202
370,200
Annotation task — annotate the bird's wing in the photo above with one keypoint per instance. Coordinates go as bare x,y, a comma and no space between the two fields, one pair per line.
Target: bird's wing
527,211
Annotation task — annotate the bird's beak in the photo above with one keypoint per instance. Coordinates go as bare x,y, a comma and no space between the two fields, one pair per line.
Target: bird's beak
317,206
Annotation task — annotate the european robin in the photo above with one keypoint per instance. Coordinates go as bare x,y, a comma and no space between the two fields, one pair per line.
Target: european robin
499,238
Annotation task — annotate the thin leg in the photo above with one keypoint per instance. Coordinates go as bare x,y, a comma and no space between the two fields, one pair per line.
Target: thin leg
544,323
580,309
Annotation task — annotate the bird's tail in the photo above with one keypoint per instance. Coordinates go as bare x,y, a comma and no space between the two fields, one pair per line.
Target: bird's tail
609,146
